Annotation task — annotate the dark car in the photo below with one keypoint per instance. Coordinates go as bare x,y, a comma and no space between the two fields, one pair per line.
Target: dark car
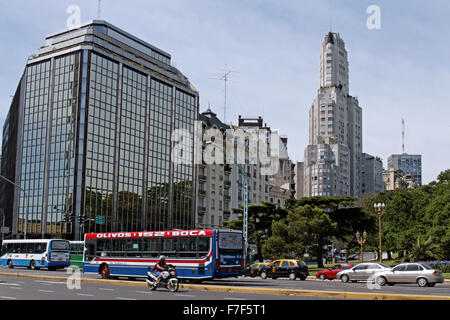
288,268
254,269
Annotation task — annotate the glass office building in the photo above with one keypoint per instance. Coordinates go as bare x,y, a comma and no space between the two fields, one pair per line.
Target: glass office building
94,115
408,164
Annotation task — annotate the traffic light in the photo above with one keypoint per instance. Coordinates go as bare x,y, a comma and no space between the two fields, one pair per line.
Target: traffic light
68,217
82,218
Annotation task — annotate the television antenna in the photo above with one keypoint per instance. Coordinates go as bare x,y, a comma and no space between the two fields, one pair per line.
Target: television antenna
225,77
403,136
99,9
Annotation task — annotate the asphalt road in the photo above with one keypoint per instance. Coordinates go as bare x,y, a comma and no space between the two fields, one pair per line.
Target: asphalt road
309,284
23,288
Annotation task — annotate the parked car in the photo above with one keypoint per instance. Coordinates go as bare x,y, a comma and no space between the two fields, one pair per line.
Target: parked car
419,273
361,272
254,269
286,268
330,273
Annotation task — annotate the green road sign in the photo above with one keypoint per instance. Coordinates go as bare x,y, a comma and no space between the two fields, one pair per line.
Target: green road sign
99,220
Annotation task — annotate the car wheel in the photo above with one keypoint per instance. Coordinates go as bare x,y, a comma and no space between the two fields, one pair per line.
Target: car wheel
292,276
345,278
303,277
381,281
322,276
264,275
422,282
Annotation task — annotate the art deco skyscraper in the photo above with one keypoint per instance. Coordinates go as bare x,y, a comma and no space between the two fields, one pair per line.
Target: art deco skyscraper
333,157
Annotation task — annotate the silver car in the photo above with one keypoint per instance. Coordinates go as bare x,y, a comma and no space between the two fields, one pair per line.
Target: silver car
362,271
419,273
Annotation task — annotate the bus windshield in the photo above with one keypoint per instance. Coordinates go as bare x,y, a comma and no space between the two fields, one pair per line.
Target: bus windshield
60,245
230,241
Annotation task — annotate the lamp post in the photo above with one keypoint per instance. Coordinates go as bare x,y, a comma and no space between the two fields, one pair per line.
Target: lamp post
244,176
379,207
361,241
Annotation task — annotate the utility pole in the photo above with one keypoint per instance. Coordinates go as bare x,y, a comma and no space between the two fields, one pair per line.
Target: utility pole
403,136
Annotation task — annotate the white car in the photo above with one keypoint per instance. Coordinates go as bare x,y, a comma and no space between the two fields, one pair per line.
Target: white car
362,271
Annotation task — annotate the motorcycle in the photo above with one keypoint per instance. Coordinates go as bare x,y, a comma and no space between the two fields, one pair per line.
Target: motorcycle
168,279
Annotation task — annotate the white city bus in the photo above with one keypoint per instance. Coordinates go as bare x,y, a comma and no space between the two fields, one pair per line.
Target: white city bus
36,253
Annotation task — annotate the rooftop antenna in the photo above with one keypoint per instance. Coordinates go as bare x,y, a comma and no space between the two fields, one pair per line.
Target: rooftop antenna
99,9
403,136
225,78
331,14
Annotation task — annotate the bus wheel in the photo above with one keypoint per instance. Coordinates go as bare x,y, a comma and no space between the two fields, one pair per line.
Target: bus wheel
10,264
32,265
105,272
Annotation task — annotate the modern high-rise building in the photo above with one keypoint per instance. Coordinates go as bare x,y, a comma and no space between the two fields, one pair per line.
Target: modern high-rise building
332,160
88,138
408,164
371,174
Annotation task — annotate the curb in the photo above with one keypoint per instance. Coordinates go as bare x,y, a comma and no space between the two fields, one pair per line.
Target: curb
286,292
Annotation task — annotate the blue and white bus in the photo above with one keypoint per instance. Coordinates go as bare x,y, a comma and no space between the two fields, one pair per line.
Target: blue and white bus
196,254
36,253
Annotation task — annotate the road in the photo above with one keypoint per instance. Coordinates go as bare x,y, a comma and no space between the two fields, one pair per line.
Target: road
241,282
23,288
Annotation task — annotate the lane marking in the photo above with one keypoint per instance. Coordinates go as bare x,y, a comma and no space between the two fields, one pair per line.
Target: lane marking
106,289
9,284
11,298
145,292
46,291
184,295
49,282
85,294
234,299
125,298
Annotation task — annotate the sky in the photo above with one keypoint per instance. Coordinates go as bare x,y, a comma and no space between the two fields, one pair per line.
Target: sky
272,49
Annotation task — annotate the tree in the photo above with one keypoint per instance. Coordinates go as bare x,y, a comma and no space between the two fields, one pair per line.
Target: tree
306,229
260,219
422,249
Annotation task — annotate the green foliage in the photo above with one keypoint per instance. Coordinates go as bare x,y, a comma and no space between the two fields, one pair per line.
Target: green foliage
423,249
306,229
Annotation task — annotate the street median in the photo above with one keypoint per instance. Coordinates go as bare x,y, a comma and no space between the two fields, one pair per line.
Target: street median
253,290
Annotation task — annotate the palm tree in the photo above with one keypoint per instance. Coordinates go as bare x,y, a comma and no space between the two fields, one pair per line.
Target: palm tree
422,250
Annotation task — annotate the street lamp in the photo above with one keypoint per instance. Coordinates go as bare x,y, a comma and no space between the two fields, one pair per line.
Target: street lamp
244,176
361,241
379,207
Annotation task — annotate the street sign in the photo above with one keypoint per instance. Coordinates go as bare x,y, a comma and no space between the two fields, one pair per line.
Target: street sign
99,220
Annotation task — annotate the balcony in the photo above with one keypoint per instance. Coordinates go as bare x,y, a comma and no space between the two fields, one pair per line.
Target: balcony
201,209
227,184
227,169
202,193
202,177
226,197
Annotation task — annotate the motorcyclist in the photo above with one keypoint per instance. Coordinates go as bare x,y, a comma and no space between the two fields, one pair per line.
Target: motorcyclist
160,267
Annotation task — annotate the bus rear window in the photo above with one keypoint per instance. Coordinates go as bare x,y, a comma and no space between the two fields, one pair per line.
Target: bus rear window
60,245
229,240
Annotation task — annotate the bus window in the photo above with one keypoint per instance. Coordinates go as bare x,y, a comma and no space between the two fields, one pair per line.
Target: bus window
203,247
150,247
167,246
22,247
103,248
30,247
5,249
118,247
39,248
134,248
187,247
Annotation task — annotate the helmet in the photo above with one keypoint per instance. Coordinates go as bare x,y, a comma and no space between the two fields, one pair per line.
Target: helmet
162,257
